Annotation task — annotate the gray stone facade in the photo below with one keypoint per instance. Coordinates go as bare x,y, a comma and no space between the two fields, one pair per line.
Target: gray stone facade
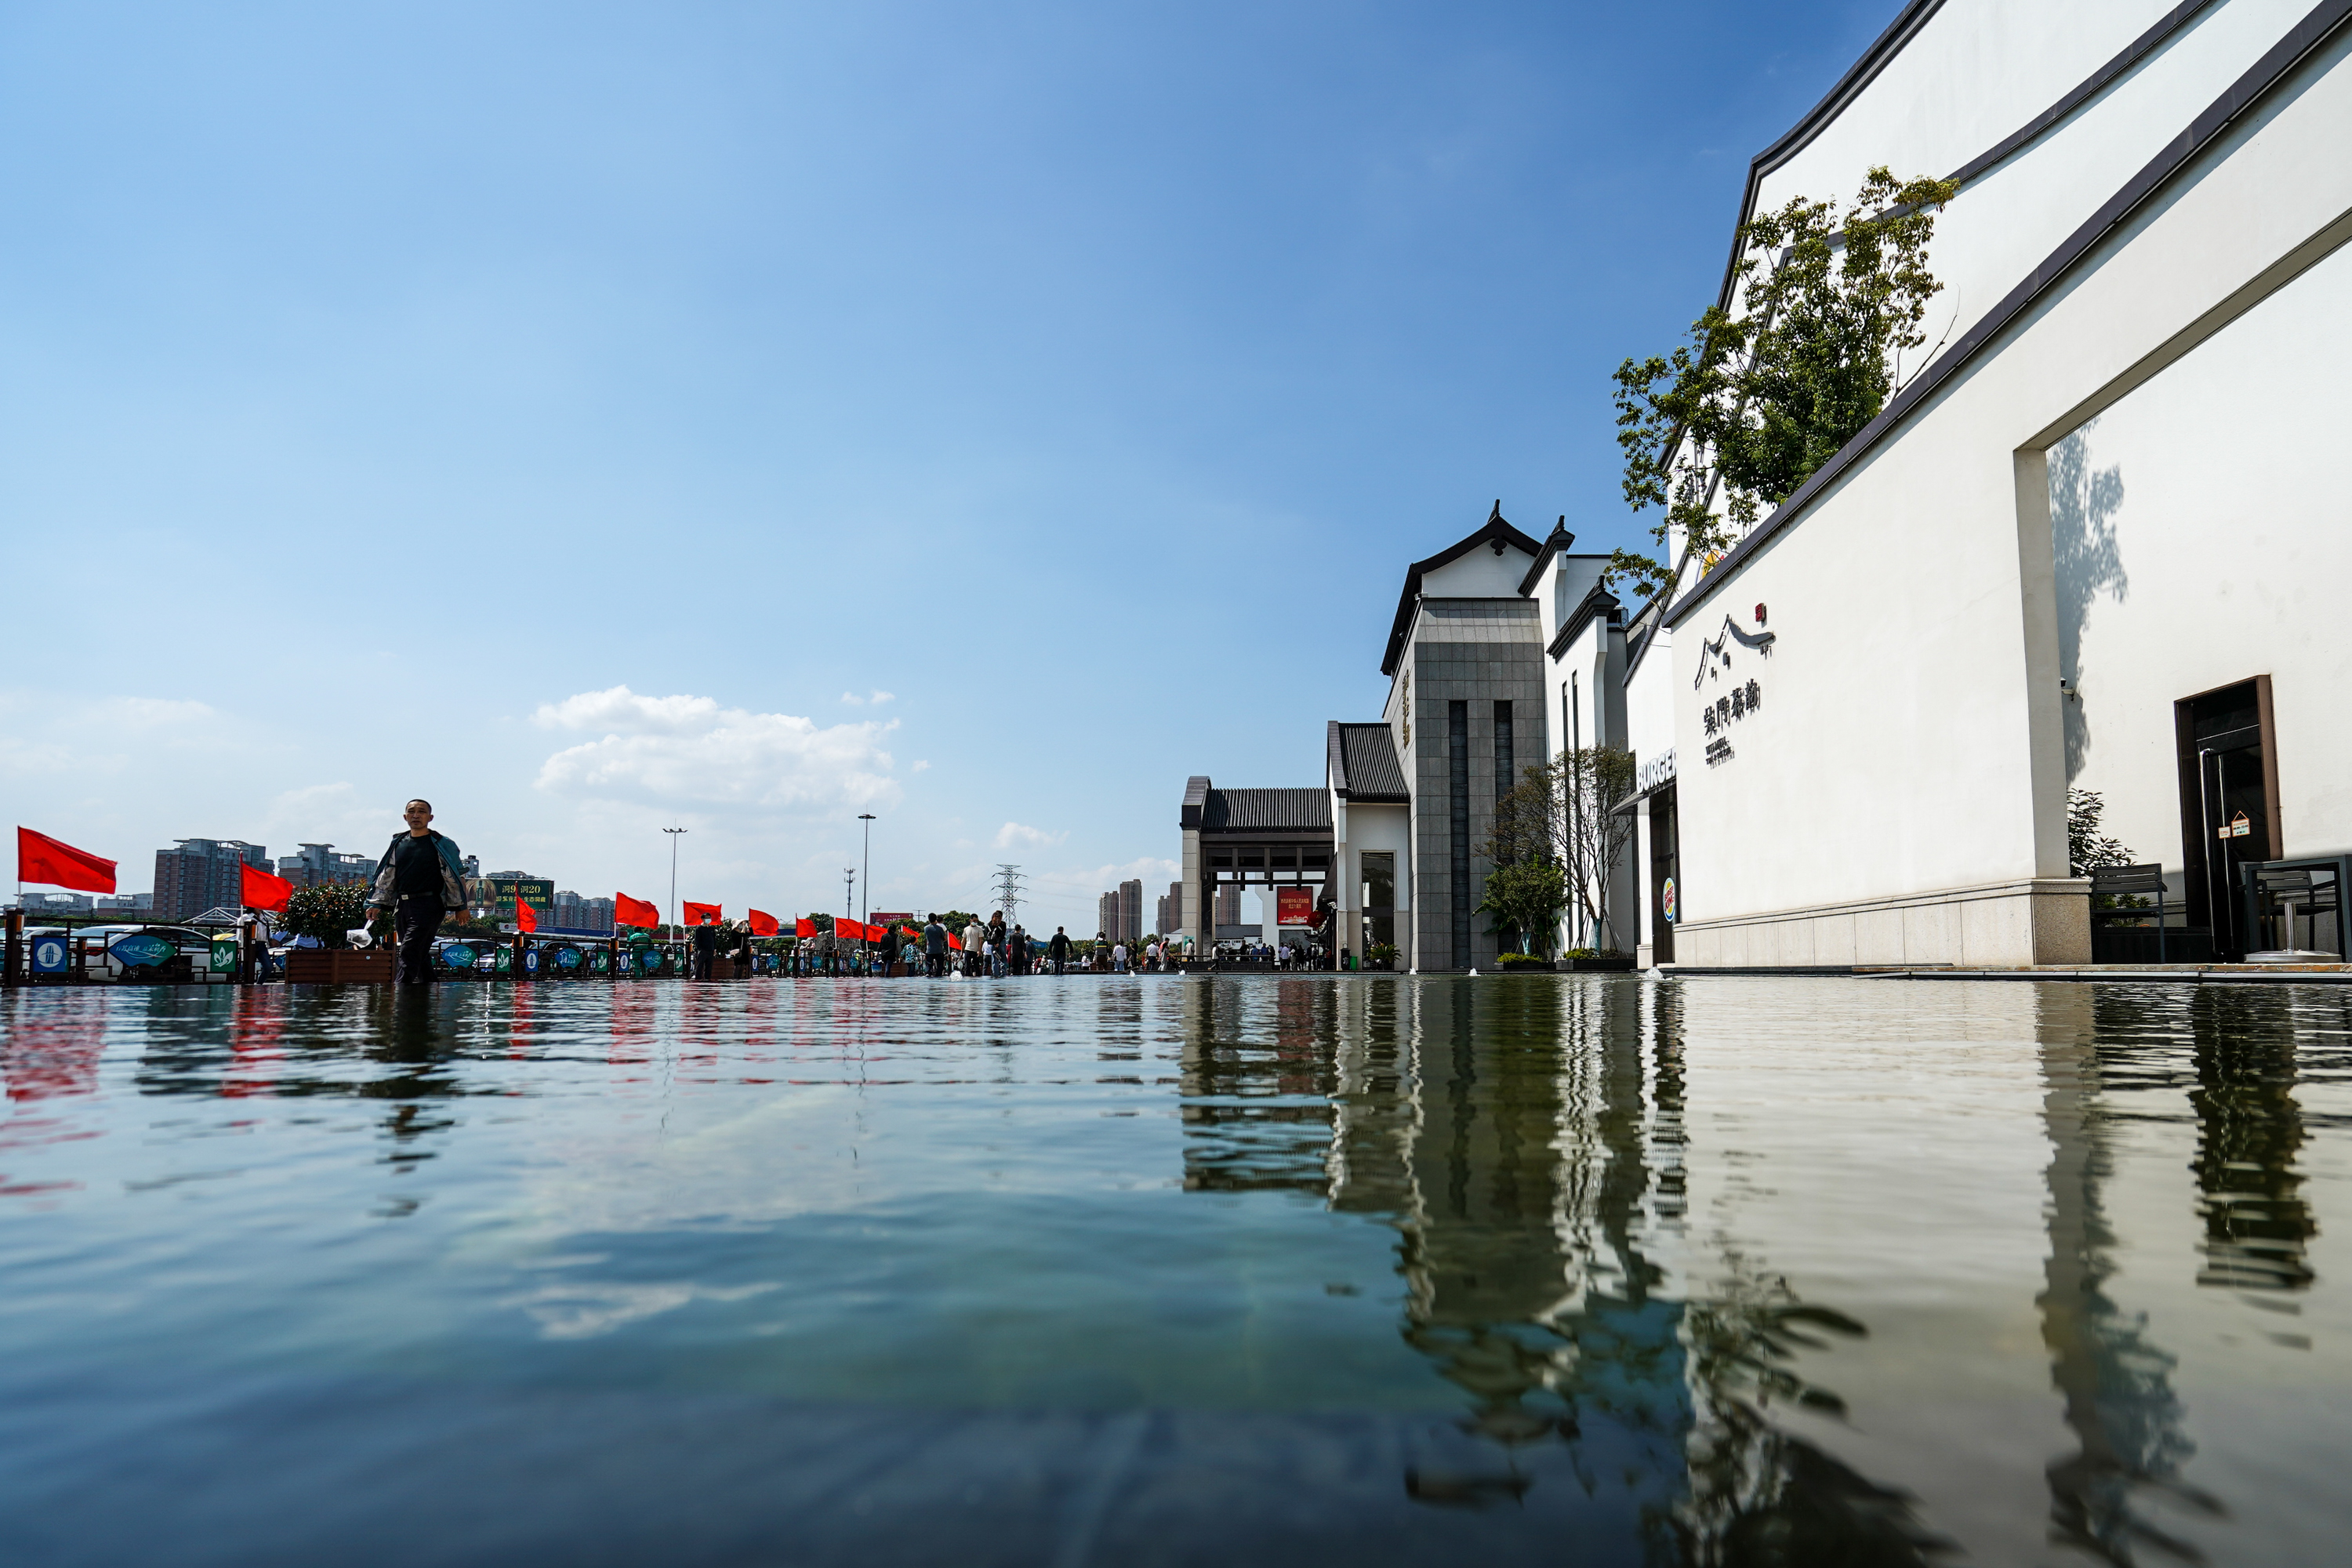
1478,653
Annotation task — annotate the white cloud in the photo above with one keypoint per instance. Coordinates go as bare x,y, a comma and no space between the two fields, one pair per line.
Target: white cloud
331,814
150,712
875,697
686,751
1014,835
918,767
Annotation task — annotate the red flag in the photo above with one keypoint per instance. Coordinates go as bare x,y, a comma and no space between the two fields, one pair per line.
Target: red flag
526,919
854,929
629,912
257,890
41,858
805,927
701,914
763,923
953,942
910,933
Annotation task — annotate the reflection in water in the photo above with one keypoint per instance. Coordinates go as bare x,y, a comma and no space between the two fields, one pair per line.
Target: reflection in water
2249,1132
2115,1384
1525,1141
2113,1055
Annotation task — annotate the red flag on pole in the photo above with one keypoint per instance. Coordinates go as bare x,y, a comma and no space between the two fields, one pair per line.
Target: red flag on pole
701,914
805,927
844,927
954,944
526,919
629,912
41,858
257,890
763,923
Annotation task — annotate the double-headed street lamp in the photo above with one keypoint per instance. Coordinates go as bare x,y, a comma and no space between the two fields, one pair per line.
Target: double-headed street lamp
867,907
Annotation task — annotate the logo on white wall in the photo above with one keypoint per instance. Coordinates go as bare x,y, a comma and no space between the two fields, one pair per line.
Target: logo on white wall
1739,699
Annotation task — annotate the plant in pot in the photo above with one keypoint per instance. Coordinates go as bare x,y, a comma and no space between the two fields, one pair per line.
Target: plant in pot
326,914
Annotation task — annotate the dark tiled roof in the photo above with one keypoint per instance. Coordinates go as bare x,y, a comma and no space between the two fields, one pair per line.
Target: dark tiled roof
1364,762
1266,811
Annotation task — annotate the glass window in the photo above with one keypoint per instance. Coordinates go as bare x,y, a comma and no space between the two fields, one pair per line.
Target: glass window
1379,896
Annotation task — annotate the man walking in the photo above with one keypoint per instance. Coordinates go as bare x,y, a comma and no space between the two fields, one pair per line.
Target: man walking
418,880
1058,948
975,937
935,948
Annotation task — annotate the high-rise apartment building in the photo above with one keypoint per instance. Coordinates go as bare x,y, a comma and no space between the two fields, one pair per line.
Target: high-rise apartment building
319,866
1130,910
1107,916
573,912
200,874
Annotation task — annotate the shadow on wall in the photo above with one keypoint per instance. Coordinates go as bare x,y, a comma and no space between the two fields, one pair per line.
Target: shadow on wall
2083,506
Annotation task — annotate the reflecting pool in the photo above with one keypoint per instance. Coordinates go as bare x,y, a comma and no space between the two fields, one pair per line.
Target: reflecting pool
1587,1269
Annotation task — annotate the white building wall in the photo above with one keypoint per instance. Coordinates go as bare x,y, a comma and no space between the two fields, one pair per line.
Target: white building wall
1900,796
1975,72
2201,537
1979,71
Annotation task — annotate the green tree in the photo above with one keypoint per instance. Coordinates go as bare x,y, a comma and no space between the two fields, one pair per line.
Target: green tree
1524,898
2087,848
1825,307
326,911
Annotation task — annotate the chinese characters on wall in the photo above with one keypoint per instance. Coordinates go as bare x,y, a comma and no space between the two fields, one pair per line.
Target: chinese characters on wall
1739,703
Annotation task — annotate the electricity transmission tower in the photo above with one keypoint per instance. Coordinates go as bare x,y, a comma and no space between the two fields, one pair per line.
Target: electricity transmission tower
1008,891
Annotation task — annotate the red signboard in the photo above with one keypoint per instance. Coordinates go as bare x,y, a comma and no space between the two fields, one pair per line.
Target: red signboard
1294,906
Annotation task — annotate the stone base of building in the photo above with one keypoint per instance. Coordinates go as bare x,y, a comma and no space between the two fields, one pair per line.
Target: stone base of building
1995,925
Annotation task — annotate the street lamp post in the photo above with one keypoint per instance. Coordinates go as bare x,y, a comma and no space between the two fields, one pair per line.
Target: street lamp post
849,900
867,907
674,833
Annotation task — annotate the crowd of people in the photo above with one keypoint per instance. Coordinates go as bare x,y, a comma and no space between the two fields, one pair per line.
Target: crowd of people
997,948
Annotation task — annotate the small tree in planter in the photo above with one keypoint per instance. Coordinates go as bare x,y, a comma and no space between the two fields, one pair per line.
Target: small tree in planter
326,912
1562,816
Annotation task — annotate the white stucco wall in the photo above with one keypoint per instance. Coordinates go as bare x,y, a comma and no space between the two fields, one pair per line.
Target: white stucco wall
1975,72
1982,69
2203,538
1478,573
1910,738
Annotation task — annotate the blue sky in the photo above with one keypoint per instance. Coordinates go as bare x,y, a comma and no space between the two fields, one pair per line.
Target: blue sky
593,417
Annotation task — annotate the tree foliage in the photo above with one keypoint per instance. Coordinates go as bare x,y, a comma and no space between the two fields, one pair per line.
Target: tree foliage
2086,847
1824,306
325,911
1560,815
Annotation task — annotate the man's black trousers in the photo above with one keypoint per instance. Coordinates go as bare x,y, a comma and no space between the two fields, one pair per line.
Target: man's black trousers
416,919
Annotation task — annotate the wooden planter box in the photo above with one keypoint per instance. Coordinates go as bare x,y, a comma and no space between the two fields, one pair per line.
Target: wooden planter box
338,966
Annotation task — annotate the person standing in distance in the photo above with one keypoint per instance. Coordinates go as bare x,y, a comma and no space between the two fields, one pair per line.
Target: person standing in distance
1058,949
419,880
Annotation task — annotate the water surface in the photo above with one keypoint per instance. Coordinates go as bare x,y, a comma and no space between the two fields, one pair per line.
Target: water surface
1347,1269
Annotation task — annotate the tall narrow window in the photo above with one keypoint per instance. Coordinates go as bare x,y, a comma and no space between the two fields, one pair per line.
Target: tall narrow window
1457,802
1379,898
1506,775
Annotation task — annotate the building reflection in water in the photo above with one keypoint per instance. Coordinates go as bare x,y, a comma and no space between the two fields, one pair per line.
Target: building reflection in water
1525,1141
2113,1057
